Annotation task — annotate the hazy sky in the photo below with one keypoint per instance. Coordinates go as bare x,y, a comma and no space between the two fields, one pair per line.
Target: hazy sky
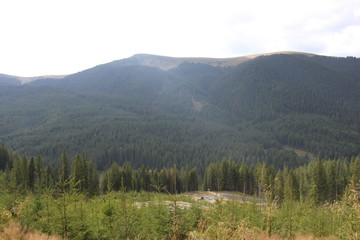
41,37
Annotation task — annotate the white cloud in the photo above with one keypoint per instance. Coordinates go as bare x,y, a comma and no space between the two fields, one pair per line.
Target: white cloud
55,37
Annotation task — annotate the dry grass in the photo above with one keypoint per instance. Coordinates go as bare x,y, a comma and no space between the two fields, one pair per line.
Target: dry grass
243,231
301,153
15,232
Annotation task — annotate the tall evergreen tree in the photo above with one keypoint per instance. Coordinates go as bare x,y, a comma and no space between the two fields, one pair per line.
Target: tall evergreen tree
40,172
279,186
289,186
319,187
331,180
114,177
127,176
244,177
24,173
193,182
4,158
93,179
31,175
64,169
16,173
355,170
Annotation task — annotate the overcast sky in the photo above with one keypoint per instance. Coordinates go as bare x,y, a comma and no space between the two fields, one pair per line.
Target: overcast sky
41,37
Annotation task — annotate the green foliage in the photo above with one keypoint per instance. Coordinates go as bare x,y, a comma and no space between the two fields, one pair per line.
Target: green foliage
320,199
116,215
4,158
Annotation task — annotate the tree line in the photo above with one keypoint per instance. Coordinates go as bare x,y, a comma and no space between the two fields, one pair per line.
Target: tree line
319,181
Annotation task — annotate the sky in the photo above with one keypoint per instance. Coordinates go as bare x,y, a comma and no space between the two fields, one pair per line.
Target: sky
52,37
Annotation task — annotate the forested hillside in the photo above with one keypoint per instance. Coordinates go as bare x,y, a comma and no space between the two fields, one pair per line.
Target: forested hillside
317,182
8,80
282,109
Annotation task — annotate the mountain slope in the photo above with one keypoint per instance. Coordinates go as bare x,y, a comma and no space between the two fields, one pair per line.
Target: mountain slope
287,83
300,100
8,80
160,111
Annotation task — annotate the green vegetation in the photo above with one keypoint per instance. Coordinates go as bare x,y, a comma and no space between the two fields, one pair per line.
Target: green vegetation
74,201
109,153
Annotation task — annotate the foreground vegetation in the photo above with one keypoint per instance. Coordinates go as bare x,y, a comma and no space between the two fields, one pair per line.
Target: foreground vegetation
71,215
75,201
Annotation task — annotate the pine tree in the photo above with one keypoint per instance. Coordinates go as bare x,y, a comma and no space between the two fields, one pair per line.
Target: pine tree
210,178
279,186
4,158
304,183
331,180
64,169
244,178
193,182
355,170
225,180
32,175
319,188
289,188
40,171
24,173
16,173
80,173
114,177
93,179
127,176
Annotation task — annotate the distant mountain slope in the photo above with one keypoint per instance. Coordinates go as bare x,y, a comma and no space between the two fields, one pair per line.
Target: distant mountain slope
15,80
167,63
8,80
159,111
300,100
288,83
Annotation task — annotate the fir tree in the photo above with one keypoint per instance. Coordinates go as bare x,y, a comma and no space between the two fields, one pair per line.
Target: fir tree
31,175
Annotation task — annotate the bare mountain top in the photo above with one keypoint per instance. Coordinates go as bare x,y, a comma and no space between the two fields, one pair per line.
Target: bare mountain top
166,63
30,79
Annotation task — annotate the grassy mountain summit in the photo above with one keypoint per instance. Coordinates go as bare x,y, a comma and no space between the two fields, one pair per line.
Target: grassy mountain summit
159,111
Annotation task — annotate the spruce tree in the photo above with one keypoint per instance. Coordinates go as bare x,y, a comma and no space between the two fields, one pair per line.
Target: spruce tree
93,178
40,171
331,180
64,169
279,186
32,175
243,177
319,188
24,173
4,158
289,186
355,170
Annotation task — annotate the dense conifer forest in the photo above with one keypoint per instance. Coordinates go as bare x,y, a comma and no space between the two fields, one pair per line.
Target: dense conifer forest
264,109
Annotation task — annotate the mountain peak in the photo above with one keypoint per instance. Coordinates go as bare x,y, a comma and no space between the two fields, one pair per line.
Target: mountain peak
280,52
166,63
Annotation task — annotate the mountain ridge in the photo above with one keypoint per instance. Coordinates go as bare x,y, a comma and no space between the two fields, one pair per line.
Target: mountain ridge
192,114
167,62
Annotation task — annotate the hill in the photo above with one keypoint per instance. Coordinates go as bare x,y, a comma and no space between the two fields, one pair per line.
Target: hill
160,111
8,80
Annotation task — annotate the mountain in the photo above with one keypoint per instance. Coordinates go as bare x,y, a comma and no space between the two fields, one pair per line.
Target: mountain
284,108
15,80
8,80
